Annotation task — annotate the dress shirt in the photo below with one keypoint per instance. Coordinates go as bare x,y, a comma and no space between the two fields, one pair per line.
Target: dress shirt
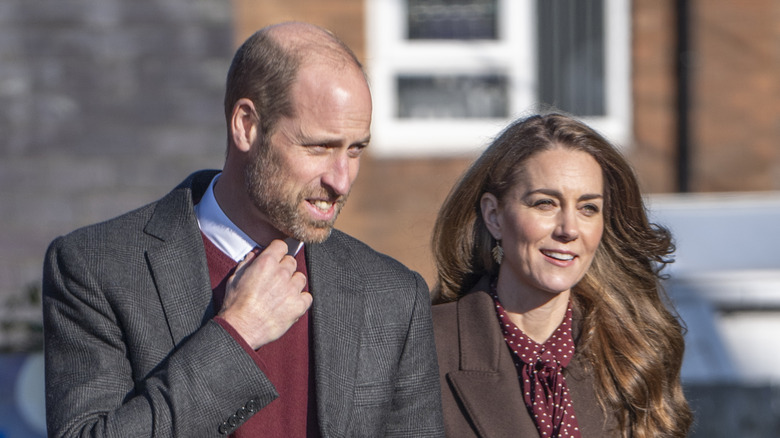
223,233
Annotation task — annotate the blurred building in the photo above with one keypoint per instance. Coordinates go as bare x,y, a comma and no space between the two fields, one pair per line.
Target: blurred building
725,283
107,104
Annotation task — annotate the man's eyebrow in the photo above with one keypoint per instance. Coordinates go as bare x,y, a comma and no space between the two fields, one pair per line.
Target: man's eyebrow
333,141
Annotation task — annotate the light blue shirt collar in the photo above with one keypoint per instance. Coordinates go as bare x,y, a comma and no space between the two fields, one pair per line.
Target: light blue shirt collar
223,233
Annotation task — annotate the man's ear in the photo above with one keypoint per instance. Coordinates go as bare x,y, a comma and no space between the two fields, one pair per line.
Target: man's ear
244,124
489,208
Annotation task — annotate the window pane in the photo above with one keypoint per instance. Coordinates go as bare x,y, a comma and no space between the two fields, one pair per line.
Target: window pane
451,19
452,97
571,55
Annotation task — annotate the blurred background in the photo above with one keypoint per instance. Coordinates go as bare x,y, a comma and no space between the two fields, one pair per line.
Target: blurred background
106,105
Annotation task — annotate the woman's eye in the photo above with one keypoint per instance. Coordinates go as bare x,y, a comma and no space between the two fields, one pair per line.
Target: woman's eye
591,209
544,203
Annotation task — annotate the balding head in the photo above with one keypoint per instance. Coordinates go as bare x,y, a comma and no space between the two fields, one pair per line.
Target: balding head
267,64
307,42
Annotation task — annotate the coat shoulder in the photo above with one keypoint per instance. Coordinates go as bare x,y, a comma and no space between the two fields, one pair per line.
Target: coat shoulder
445,315
174,209
362,256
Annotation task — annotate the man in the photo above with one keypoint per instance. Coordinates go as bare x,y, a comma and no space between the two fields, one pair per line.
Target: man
200,314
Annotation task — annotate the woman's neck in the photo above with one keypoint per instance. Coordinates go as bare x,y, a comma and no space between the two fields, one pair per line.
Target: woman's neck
536,313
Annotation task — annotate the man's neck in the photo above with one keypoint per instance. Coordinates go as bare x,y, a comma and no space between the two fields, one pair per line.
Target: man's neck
232,198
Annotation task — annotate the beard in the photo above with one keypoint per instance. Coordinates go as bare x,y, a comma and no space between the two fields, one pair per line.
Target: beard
273,192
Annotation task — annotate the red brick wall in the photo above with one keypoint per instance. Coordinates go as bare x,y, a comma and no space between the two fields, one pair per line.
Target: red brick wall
654,97
393,204
734,68
736,95
735,128
345,18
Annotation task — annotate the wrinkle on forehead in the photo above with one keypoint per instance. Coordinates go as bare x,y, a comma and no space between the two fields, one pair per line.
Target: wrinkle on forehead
563,171
329,104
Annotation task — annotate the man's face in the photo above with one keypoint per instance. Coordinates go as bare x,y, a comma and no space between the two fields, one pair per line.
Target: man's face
300,180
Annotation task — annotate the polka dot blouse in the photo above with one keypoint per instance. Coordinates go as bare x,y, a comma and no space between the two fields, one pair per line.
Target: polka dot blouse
540,370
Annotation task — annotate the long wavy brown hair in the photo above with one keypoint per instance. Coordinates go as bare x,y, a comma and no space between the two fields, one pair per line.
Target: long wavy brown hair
631,339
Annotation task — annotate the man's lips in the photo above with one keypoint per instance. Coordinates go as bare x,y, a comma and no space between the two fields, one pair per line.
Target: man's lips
323,209
322,205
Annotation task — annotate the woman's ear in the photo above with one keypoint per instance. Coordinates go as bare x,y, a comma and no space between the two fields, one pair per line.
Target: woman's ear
490,212
244,125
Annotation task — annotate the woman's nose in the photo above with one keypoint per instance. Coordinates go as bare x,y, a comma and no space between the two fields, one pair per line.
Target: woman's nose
567,228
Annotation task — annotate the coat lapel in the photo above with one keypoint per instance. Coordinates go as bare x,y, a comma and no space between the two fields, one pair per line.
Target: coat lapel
177,262
486,382
337,313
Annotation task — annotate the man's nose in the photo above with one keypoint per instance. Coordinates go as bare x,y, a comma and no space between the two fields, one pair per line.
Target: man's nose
338,176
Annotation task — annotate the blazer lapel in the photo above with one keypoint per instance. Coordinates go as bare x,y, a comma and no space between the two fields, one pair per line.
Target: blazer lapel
178,261
487,383
337,313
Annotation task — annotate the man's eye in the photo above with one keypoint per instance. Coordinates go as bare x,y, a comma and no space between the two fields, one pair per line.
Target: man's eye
316,147
357,149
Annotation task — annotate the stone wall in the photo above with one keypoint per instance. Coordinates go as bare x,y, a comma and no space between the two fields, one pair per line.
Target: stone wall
104,106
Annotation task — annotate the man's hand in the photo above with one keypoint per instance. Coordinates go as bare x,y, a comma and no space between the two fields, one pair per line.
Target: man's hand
264,297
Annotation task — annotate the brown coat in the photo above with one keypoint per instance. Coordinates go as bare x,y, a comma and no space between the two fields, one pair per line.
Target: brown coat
481,394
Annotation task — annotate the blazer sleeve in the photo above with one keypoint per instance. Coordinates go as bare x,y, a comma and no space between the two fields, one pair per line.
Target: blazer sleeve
205,386
416,410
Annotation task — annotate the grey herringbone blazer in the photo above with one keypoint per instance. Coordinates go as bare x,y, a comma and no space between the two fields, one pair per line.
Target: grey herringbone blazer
132,351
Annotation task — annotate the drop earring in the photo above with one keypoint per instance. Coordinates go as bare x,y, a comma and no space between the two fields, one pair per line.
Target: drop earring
498,252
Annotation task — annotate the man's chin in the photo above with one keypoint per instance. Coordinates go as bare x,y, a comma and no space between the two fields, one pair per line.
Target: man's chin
312,234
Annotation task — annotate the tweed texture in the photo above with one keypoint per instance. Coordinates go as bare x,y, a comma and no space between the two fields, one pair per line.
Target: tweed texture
131,348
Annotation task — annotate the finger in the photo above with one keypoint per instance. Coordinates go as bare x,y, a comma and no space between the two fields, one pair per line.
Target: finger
298,281
289,263
244,263
276,249
305,299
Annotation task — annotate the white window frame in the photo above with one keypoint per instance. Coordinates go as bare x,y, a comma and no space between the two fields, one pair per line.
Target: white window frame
513,53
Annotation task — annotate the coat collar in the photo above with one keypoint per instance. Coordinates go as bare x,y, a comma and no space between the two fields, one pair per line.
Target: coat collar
177,260
487,374
178,265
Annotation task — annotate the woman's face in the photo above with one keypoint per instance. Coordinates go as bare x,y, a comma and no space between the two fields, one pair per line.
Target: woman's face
550,223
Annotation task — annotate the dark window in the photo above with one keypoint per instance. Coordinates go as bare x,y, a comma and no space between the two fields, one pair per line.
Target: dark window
571,57
452,96
452,19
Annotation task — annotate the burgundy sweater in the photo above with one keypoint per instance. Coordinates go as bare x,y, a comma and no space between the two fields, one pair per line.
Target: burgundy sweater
286,362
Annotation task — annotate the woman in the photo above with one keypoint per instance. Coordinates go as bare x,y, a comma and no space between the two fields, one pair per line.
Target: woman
550,321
